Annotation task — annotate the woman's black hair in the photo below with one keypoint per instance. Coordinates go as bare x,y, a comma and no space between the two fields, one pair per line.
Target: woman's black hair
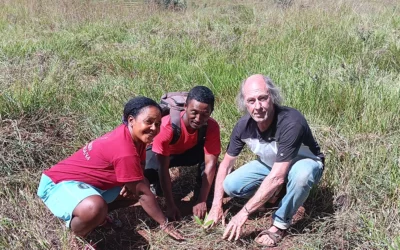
201,94
136,105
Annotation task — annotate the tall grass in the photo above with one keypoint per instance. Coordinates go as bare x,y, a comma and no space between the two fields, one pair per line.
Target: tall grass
68,67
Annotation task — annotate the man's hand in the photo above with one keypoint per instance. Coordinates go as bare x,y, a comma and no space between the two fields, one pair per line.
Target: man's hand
215,215
126,193
235,226
200,210
171,231
173,212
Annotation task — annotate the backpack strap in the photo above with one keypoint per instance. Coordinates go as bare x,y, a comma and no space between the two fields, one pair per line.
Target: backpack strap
176,124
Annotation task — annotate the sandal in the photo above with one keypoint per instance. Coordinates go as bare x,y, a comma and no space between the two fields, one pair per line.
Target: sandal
275,237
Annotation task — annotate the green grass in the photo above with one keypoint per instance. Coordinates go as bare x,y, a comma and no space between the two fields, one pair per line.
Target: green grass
68,67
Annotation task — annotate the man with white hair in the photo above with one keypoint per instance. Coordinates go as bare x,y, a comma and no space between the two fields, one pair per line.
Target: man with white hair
287,154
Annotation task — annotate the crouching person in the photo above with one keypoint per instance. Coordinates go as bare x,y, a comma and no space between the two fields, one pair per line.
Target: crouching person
197,141
287,154
79,189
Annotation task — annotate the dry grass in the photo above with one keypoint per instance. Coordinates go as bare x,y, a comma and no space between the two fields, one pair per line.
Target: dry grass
36,141
24,222
67,67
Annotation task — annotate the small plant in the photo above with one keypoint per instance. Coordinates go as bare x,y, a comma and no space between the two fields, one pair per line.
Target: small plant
203,223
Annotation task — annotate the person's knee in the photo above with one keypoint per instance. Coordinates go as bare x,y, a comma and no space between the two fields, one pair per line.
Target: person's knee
307,177
230,188
93,208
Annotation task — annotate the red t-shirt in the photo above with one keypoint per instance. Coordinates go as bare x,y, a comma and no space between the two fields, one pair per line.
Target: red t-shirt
106,162
161,143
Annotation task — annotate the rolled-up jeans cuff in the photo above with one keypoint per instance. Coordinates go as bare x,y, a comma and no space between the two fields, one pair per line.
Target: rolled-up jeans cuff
281,225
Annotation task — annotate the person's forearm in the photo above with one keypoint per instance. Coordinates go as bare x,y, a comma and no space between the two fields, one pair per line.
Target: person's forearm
147,200
150,205
266,190
219,189
270,185
165,178
223,170
206,182
165,181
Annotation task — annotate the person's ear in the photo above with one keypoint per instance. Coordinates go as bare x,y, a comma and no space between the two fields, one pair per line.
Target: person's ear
131,121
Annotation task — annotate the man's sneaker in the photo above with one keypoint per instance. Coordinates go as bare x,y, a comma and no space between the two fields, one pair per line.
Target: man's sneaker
156,189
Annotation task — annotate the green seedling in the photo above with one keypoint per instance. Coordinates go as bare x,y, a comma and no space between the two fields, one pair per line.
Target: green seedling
203,223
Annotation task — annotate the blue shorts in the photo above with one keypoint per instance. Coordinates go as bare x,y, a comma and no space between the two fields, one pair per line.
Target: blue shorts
62,198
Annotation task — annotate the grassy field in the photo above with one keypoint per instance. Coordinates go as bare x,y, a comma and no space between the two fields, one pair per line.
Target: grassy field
68,67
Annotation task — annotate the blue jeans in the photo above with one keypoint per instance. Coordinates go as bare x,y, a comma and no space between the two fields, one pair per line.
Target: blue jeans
304,173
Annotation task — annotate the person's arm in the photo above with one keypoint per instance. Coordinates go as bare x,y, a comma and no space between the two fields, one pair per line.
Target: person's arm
147,199
165,181
225,167
150,205
200,208
267,189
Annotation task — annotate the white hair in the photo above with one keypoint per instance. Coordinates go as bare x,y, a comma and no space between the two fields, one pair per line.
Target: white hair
274,93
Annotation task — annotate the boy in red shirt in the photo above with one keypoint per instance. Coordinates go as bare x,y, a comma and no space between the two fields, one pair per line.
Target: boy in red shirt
188,150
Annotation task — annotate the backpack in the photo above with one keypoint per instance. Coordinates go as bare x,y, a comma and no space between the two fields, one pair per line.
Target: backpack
172,103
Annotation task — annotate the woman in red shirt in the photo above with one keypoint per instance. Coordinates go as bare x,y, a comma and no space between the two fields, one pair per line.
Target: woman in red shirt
79,188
